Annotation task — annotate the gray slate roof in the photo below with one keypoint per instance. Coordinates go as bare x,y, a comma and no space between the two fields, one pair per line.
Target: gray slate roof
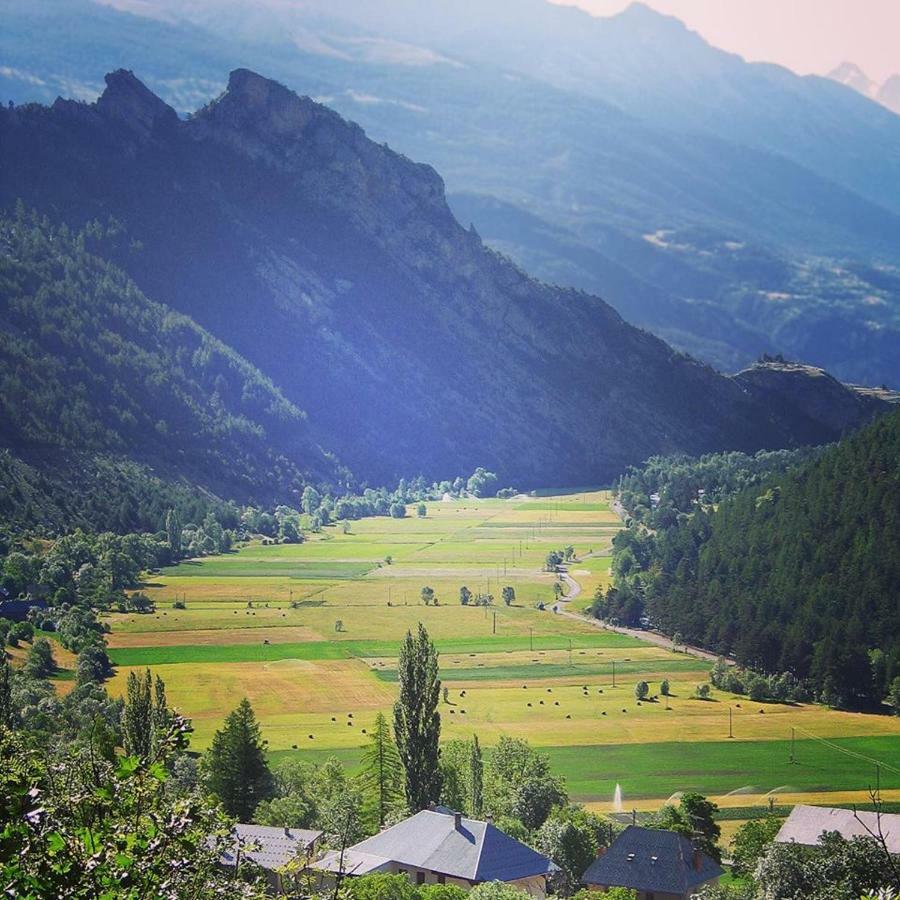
805,825
647,859
430,840
276,846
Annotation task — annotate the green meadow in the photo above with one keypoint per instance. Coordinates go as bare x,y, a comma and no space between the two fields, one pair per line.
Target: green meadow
310,633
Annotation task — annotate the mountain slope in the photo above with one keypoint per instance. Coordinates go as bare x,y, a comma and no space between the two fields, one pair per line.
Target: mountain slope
731,208
90,368
336,267
798,574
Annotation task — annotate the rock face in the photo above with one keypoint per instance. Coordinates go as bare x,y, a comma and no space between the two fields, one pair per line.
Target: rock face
336,267
809,395
131,103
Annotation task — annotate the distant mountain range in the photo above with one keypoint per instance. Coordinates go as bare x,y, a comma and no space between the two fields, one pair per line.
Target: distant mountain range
887,93
731,208
263,257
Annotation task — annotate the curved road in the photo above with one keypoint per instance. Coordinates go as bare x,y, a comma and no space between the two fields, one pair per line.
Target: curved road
650,637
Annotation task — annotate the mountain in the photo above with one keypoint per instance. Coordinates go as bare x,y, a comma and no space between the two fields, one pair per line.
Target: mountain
850,74
101,385
732,208
335,266
797,574
887,94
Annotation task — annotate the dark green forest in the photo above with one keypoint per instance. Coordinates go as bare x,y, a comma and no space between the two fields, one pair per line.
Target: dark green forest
89,366
799,573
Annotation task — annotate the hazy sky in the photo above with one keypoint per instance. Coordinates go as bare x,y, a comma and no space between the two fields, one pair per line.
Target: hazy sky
804,35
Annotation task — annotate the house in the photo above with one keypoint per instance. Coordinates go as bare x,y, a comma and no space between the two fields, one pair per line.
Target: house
439,846
271,849
805,825
659,865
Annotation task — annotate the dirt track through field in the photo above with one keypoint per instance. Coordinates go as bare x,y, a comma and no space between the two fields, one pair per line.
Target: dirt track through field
651,637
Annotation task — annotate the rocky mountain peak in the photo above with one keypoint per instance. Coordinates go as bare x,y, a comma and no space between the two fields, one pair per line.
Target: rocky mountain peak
131,102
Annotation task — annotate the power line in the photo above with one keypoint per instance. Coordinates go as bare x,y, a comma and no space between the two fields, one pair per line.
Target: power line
862,756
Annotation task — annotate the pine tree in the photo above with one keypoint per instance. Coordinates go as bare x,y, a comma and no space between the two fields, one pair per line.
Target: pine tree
476,778
236,768
382,772
417,722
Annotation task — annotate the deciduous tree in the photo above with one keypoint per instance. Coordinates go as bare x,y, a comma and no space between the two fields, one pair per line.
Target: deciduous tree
417,722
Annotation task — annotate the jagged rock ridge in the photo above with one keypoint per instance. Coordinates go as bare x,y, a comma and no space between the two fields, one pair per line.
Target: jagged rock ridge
336,266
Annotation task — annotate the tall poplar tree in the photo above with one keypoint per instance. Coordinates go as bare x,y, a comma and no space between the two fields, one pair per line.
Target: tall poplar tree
476,778
6,704
174,530
417,722
146,717
236,768
382,773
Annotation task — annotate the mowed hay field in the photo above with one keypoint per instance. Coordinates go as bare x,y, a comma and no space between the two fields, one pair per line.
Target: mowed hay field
310,633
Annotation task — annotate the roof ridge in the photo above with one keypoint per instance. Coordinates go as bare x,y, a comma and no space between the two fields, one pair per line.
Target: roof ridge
484,836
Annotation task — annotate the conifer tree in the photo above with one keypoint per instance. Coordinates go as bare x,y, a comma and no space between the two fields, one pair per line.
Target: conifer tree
382,773
236,768
417,722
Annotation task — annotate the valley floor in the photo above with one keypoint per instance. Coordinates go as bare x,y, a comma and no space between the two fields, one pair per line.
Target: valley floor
310,633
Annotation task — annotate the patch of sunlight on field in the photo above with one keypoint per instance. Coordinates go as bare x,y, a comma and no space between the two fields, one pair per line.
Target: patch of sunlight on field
759,802
221,616
369,622
287,634
280,691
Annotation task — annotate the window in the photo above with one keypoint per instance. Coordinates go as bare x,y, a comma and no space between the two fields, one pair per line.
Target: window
420,878
442,879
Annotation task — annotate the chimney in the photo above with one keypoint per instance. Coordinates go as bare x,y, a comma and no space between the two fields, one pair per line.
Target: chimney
287,831
431,806
489,819
698,859
457,821
600,851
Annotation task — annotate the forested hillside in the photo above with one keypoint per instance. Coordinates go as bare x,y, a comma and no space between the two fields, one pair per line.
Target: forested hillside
798,574
97,383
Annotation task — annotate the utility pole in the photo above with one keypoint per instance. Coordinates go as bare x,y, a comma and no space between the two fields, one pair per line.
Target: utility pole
792,746
495,624
730,731
614,673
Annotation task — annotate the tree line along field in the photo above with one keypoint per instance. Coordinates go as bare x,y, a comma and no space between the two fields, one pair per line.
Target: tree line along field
309,633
